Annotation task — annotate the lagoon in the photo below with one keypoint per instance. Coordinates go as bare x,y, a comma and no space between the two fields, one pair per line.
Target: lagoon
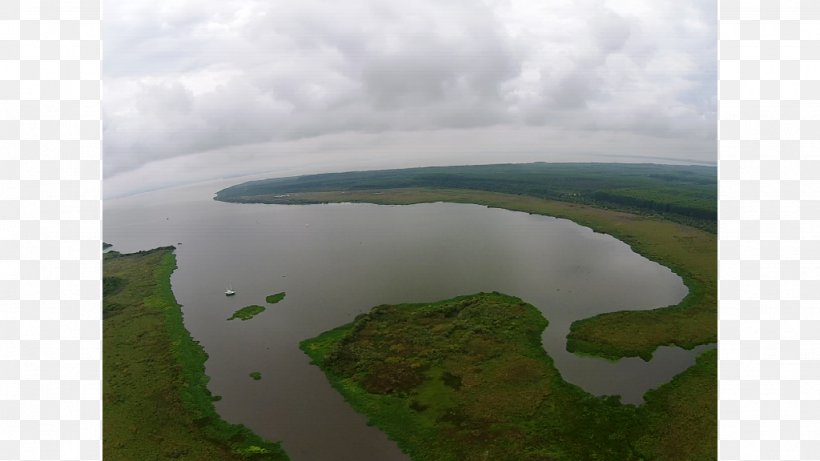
336,261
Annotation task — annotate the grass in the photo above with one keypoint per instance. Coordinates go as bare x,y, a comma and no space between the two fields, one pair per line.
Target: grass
255,375
688,251
686,409
156,404
275,298
247,312
468,379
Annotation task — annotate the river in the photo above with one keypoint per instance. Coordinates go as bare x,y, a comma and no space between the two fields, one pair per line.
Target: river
338,260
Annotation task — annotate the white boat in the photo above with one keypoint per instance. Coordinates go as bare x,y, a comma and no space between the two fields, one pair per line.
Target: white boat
229,291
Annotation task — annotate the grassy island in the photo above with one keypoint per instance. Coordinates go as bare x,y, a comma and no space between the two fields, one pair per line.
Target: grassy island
273,299
468,379
247,312
156,404
255,375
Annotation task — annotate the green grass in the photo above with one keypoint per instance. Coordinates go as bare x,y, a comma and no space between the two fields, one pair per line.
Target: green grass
247,312
275,298
689,252
255,375
686,409
468,379
156,404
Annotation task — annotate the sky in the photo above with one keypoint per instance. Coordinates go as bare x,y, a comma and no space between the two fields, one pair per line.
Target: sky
205,89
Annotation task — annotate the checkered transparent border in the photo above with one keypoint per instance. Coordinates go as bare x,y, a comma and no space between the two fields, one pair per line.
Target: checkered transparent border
50,210
769,167
50,330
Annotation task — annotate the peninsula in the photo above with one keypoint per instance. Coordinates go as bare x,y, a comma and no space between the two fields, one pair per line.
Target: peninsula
156,404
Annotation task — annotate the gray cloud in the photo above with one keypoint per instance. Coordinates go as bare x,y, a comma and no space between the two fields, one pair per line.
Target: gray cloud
205,78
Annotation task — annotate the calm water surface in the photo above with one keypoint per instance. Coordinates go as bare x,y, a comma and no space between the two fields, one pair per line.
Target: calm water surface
336,261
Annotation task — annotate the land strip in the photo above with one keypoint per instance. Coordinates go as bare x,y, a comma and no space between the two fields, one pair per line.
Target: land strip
156,404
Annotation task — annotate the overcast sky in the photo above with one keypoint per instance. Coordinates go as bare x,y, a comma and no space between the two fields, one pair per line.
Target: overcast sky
203,89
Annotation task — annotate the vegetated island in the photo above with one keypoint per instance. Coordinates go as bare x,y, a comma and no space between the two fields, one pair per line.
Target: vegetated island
468,379
666,213
275,298
156,404
255,375
247,312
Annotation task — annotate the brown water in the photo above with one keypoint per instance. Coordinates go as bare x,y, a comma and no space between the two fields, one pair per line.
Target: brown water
336,261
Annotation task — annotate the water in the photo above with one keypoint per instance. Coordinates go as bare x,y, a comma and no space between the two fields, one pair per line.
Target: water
336,261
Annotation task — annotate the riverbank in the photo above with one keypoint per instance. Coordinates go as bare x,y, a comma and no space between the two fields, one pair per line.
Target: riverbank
156,404
468,379
689,252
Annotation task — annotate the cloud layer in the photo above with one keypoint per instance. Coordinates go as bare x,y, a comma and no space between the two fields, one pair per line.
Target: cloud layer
212,78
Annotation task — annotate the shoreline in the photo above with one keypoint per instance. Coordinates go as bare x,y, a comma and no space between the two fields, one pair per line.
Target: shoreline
156,400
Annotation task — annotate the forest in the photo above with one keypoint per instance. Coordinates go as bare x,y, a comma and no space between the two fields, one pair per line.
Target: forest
686,194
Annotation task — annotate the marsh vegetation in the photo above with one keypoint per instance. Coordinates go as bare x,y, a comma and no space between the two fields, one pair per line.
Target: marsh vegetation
156,404
247,312
275,298
468,379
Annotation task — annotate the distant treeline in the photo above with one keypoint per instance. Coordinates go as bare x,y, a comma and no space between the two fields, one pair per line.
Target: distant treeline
683,193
